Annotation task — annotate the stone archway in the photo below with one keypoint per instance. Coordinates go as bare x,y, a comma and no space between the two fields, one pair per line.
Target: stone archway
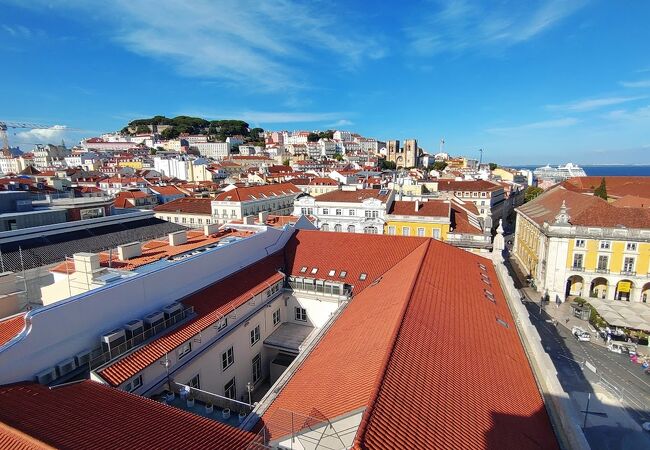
624,290
574,285
598,288
645,293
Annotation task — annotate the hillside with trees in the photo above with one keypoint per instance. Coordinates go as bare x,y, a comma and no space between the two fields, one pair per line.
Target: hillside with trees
216,130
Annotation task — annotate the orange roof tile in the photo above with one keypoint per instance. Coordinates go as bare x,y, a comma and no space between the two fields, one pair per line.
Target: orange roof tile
10,327
404,353
356,196
616,186
243,194
477,185
210,305
431,208
166,190
90,415
188,205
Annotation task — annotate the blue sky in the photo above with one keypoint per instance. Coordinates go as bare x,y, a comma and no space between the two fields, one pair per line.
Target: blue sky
528,81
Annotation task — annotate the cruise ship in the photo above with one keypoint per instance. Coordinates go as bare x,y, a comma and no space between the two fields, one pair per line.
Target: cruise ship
559,173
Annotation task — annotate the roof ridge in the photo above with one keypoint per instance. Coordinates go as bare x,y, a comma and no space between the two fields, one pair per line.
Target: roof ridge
363,425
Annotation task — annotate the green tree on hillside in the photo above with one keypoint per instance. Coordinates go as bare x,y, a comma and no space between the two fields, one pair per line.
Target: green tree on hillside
493,166
439,166
532,192
312,137
601,191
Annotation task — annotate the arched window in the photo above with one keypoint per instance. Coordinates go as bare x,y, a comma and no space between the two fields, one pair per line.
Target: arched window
338,228
325,227
351,229
370,230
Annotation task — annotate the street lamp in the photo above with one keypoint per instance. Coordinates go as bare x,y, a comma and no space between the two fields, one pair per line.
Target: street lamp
249,388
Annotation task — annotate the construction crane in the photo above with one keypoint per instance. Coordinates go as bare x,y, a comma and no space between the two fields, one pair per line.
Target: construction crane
5,125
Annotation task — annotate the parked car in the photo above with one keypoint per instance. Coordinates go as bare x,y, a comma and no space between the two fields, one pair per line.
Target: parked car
580,334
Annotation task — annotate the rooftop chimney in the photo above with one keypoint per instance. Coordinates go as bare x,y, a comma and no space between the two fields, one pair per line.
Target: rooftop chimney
262,217
210,229
177,238
128,251
86,262
249,220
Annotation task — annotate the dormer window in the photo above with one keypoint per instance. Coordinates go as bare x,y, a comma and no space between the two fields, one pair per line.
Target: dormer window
303,269
314,270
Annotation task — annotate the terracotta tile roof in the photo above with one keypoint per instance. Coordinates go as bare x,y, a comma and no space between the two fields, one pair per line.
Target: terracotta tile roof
478,185
616,186
545,207
357,196
404,352
584,209
632,201
10,327
90,415
257,192
323,181
188,205
155,250
210,304
432,208
166,190
460,222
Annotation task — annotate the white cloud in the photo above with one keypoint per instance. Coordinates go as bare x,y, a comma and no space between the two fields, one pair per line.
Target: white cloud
591,104
641,114
259,45
17,30
45,135
459,25
341,123
541,125
636,84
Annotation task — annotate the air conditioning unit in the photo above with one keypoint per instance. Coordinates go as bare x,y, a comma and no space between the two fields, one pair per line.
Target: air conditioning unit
133,328
82,358
154,319
65,367
113,339
46,376
172,310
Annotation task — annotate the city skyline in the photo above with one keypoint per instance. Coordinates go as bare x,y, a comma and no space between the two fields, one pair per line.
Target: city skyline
505,78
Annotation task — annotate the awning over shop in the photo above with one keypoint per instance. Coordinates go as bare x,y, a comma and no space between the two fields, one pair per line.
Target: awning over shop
623,314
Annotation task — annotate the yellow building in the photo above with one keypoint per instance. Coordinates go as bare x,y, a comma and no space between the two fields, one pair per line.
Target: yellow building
451,221
575,244
137,165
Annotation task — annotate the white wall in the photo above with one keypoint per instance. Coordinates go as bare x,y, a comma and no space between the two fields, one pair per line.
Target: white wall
59,331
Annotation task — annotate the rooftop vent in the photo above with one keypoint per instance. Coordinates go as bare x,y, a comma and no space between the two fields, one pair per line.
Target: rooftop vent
490,296
128,251
65,367
46,376
177,238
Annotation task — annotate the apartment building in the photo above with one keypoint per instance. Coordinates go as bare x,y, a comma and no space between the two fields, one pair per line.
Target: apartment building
189,211
321,341
573,243
238,202
349,210
488,196
214,150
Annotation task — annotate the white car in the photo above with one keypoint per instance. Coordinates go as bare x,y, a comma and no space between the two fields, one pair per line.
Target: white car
580,334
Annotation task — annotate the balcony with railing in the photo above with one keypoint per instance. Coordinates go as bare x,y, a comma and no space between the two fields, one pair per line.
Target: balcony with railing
99,356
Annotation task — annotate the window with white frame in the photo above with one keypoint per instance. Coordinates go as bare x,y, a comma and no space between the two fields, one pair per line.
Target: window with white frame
631,246
628,264
338,212
326,211
301,314
255,335
352,212
133,384
391,230
605,245
338,228
223,323
325,227
276,317
227,358
257,368
435,233
603,262
184,350
230,390
195,382
580,243
577,260
421,232
406,231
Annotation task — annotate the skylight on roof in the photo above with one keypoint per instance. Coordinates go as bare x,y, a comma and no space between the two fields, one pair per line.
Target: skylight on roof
332,273
502,322
363,276
343,274
303,269
314,270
